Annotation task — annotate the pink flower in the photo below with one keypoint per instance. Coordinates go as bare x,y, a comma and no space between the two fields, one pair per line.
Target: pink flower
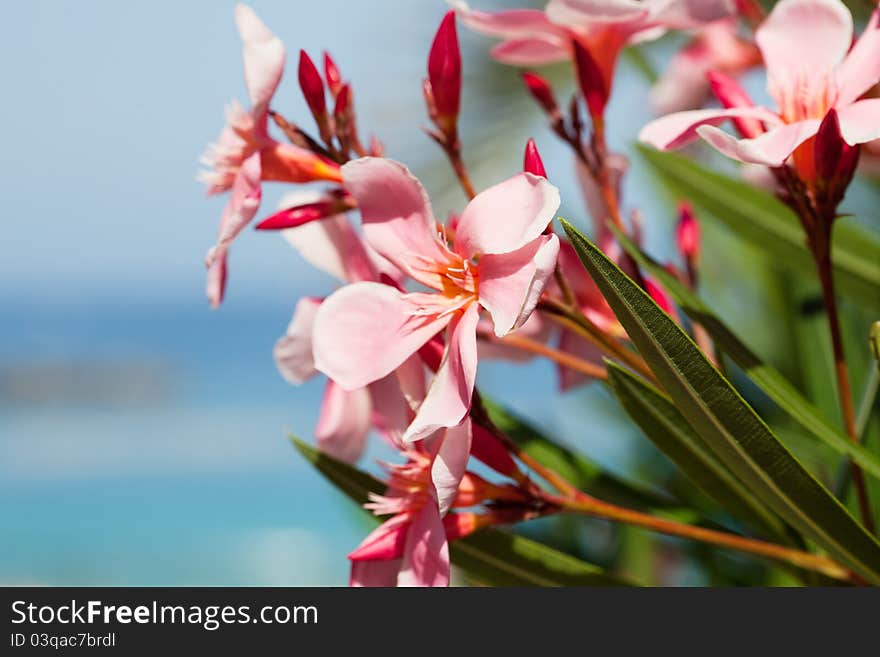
346,416
716,47
411,548
245,154
531,37
810,70
500,262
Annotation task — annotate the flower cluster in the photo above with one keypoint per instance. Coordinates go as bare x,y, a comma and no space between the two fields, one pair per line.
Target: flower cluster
420,301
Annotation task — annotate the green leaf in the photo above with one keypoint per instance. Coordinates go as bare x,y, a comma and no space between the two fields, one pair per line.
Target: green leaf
732,429
660,420
765,376
765,222
489,556
573,467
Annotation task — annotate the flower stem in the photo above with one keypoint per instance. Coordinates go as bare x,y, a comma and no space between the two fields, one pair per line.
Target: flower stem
574,320
557,356
481,417
821,243
597,508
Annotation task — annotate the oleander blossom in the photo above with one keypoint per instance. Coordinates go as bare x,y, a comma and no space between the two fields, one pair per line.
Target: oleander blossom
499,260
805,83
531,37
411,547
245,154
346,416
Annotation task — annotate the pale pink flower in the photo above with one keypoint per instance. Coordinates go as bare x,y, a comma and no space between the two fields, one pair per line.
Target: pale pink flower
245,154
715,47
811,69
346,416
411,547
531,37
500,262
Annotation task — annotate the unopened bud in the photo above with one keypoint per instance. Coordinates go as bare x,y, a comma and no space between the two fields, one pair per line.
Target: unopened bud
487,448
461,524
591,81
835,159
343,99
532,160
313,91
687,233
335,202
332,75
444,74
542,92
730,94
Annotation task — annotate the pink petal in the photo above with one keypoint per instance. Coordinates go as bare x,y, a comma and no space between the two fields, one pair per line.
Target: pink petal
426,553
771,148
860,122
344,422
801,42
680,129
687,14
293,351
531,51
579,12
263,57
241,207
330,245
394,398
507,216
512,283
449,397
398,222
683,85
374,573
385,542
507,24
364,331
215,289
861,69
450,464
534,328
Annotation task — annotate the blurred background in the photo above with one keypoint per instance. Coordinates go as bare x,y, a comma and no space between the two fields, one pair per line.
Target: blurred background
143,437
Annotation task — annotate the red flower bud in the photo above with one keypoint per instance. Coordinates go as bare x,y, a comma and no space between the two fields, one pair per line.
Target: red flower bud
835,163
687,233
342,101
730,93
334,202
488,449
832,154
474,490
461,524
332,75
532,160
542,92
444,73
312,86
593,85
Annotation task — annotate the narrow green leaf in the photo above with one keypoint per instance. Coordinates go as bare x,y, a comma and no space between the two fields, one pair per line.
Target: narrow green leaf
573,467
732,429
765,376
660,420
490,556
765,222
